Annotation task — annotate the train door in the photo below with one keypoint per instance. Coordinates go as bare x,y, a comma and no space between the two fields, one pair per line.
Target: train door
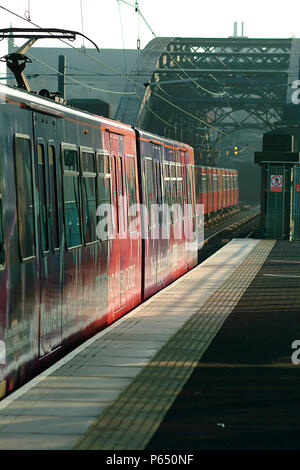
183,160
219,189
209,192
49,231
227,188
224,190
204,190
231,187
119,237
236,188
193,222
186,191
159,201
152,222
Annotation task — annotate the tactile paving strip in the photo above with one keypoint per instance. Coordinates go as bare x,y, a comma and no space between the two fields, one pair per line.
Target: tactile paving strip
132,419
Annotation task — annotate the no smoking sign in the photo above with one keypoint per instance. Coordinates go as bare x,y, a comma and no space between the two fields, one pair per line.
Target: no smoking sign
276,183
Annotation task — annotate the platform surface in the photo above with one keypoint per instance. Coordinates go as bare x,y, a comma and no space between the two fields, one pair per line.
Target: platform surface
244,392
114,390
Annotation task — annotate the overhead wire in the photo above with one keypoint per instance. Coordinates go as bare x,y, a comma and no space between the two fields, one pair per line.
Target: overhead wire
228,104
138,41
117,73
81,14
136,83
169,53
177,63
124,76
57,72
123,41
27,12
155,114
179,66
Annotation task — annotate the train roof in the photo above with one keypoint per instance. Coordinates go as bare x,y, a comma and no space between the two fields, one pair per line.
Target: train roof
48,106
162,140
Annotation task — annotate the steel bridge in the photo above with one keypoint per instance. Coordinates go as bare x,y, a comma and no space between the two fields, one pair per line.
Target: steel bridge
214,93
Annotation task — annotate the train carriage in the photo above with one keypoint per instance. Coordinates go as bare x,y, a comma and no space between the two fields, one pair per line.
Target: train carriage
58,280
167,170
76,249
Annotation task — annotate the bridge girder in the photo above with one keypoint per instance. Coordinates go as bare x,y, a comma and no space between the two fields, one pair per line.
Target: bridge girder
225,86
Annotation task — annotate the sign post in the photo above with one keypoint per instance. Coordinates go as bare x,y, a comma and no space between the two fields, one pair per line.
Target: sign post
278,160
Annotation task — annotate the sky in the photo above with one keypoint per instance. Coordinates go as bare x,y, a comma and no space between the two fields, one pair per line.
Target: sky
104,21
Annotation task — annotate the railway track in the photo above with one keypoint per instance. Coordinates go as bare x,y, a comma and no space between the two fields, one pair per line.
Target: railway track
244,215
242,223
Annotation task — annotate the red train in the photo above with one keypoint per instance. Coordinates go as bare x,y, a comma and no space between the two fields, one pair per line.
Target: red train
217,189
86,233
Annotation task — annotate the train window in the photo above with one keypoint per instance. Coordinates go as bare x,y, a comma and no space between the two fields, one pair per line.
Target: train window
204,183
103,163
189,185
215,182
53,194
104,191
88,162
89,196
121,194
167,186
173,171
43,197
166,170
71,198
173,192
191,192
184,185
179,171
150,195
131,184
115,193
89,204
2,251
179,185
158,182
25,200
70,160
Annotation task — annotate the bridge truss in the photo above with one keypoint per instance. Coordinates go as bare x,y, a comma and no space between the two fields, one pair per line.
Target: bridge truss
214,93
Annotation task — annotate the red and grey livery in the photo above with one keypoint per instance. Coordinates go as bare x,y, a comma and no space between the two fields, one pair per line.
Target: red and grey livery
60,283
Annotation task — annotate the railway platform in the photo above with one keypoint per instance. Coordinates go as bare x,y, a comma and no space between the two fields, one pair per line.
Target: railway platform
118,390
